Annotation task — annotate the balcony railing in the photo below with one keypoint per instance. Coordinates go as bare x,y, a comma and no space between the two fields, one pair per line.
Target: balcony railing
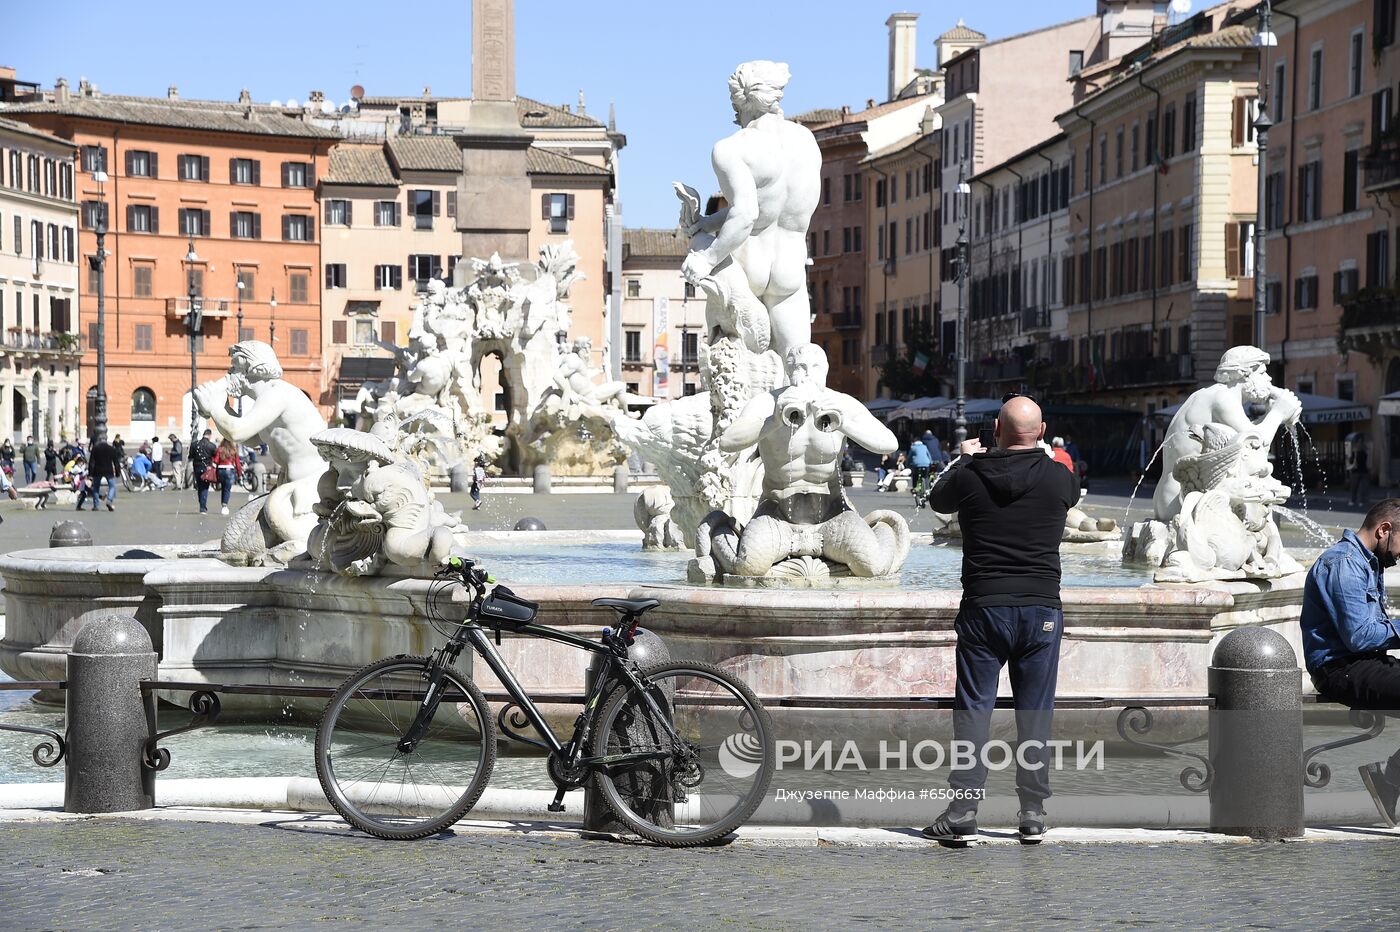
850,320
1035,318
1370,321
1127,372
1382,166
212,307
32,341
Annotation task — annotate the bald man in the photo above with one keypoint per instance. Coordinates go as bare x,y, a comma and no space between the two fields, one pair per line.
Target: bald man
1011,503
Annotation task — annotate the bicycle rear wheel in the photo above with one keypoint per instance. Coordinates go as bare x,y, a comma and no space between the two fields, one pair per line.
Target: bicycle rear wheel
686,759
389,793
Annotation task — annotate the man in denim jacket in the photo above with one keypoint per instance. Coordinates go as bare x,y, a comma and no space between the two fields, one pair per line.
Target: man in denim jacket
1346,633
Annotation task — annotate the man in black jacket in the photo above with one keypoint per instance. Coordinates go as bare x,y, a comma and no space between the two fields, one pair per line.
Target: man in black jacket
103,466
1011,504
201,457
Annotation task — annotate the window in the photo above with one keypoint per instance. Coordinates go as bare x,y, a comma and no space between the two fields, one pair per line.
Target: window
299,282
94,160
143,405
248,279
1150,139
1381,114
826,242
880,192
826,190
1345,282
859,184
244,224
296,228
689,290
70,245
1103,161
1305,292
140,218
244,171
194,222
296,175
1378,259
93,211
194,281
423,206
558,209
1310,192
421,269
634,288
846,187
245,334
1134,161
1118,153
845,239
194,168
1315,79
1188,124
141,281
1239,250
335,275
632,349
143,338
140,164
1354,65
1351,176
1273,200
1245,110
1187,255
1346,388
388,277
1280,93
337,213
299,342
386,213
1076,61
1169,133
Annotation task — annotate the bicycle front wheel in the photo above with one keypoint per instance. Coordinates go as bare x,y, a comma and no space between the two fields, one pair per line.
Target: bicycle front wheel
685,759
391,793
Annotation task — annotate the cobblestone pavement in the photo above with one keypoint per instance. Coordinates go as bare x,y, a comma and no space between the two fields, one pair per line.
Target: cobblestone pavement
101,874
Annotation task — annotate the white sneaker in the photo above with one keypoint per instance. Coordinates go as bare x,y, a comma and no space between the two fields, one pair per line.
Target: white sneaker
223,510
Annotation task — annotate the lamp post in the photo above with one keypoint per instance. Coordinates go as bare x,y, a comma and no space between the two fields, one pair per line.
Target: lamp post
99,265
193,323
272,322
961,191
1264,40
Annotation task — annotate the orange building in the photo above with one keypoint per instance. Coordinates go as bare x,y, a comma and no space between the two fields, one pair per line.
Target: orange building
236,179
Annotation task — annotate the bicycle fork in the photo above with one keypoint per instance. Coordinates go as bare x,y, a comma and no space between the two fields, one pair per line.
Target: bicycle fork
427,709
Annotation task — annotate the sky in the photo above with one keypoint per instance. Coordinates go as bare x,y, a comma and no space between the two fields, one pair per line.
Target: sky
663,63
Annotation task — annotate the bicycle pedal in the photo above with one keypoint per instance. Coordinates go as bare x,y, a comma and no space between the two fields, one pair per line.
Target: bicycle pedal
555,807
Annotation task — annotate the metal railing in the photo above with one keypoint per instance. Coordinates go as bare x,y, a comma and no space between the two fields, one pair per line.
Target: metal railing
38,342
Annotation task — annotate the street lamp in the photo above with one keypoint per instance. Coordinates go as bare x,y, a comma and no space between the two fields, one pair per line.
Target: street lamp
272,322
961,191
1264,40
98,264
193,323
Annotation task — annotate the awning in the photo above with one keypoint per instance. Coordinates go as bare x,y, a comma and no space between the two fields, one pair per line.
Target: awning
975,409
1389,405
356,370
919,408
1317,409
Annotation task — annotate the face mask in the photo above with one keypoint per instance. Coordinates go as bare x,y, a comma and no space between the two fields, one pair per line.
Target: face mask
1386,556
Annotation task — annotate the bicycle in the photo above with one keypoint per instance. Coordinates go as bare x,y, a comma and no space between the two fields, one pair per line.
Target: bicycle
921,488
407,744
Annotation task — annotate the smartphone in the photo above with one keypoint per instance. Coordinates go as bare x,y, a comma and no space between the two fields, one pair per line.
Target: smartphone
985,437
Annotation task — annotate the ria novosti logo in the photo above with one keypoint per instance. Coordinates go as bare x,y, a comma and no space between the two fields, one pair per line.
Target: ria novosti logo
741,755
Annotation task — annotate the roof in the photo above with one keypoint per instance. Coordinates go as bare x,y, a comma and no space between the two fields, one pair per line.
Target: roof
541,115
1239,36
24,129
426,153
540,161
818,116
870,113
961,32
640,243
894,147
206,115
357,163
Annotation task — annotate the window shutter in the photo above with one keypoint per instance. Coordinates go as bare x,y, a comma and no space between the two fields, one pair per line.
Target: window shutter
1237,123
329,277
204,220
286,220
452,204
326,216
204,168
257,226
1337,287
130,217
155,219
348,205
286,174
544,206
151,162
437,204
1298,294
398,277
311,228
409,268
377,273
311,174
1232,250
387,330
257,172
128,161
398,214
337,328
233,223
232,171
570,201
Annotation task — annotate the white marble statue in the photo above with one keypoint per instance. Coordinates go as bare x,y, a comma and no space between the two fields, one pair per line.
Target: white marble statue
279,414
804,525
1214,503
652,512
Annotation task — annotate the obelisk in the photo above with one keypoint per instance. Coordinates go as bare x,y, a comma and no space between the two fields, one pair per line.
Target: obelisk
493,195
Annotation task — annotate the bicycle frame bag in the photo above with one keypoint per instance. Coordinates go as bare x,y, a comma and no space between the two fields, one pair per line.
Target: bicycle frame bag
505,607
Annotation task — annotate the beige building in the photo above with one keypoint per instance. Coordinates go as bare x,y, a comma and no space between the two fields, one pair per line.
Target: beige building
663,317
40,348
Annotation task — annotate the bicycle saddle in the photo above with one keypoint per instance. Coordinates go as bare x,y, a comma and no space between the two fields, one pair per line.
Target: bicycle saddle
628,606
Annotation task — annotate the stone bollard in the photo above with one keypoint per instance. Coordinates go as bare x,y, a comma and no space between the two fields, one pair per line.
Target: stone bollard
459,478
647,649
530,524
109,719
541,479
620,479
259,477
70,534
1256,736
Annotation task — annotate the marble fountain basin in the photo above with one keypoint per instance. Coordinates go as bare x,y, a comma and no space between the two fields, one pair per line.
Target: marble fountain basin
212,622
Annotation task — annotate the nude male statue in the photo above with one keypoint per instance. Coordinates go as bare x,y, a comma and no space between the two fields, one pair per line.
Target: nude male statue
1241,379
574,380
282,417
800,431
770,174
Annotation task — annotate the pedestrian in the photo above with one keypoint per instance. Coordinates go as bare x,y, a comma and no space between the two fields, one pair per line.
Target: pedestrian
7,454
177,459
1059,454
202,468
1011,504
935,450
75,473
65,451
157,456
1346,633
478,481
921,461
51,462
103,466
120,444
31,461
228,465
1359,471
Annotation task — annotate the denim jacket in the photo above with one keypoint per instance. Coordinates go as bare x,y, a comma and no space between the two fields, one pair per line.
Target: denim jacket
1344,605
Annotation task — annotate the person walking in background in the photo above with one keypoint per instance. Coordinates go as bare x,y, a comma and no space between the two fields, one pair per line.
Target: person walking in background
177,460
1011,504
227,463
478,481
1346,633
935,450
104,466
202,468
31,461
52,467
157,456
120,444
1358,472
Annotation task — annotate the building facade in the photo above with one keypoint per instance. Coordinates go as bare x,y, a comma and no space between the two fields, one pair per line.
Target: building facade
663,317
236,181
40,344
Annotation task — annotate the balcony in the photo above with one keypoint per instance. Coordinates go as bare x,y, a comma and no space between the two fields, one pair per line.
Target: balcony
880,354
212,307
1370,322
32,342
686,361
635,361
850,320
1381,166
1035,318
1133,371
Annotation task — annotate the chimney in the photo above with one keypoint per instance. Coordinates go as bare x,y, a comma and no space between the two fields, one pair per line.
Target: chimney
172,93
314,99
244,97
580,102
60,91
902,50
612,116
929,122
